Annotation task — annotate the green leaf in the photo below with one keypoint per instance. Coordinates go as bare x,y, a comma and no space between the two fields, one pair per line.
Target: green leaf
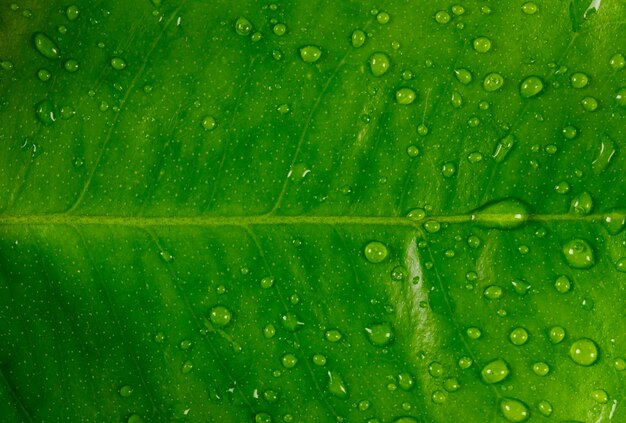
233,211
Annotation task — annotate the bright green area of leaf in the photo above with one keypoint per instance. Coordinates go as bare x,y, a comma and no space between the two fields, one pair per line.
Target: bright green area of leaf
189,192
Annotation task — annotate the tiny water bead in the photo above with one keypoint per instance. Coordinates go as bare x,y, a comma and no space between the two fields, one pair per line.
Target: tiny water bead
310,54
380,335
243,26
584,352
557,334
563,284
495,371
508,213
405,96
46,46
220,316
379,64
617,62
579,80
541,368
375,252
518,336
514,410
600,396
482,44
590,104
531,86
464,76
493,82
579,254
209,123
358,38
336,385
118,63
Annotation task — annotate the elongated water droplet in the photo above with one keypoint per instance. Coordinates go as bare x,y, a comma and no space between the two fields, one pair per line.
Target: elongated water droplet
606,153
508,213
118,63
514,410
358,38
495,371
504,146
379,64
405,96
531,86
579,254
336,385
46,46
464,76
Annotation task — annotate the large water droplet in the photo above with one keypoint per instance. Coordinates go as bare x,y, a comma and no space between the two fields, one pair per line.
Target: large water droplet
375,252
243,26
379,63
46,46
584,352
531,86
514,410
508,213
220,316
495,371
579,254
310,54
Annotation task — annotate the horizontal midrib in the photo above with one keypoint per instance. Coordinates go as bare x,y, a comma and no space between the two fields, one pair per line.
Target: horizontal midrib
268,220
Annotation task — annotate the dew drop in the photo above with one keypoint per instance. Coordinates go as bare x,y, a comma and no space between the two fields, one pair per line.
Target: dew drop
333,335
432,226
380,335
620,265
220,316
406,381
530,8
269,331
71,65
579,254
279,29
358,38
451,384
518,336
620,97
582,204
600,396
474,333
464,76
72,12
319,360
336,385
579,80
563,284
544,408
503,147
508,213
541,368
375,252
310,54
412,151
435,369
493,292
619,364
379,64
617,62
570,132
514,410
442,17
46,46
126,391
584,352
465,362
416,214
590,104
493,82
438,397
557,334
262,418
44,111
187,367
495,371
135,419
289,361
531,86
118,63
44,75
614,222
383,18
482,44
448,169
243,26
405,96
405,419
456,99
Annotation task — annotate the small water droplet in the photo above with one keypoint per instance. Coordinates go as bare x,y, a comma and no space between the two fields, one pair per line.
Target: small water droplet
473,241
619,364
436,369
375,252
412,151
71,65
579,254
563,284
279,29
135,419
617,62
442,17
126,391
614,222
405,96
579,80
379,64
570,132
518,336
406,381
584,352
530,8
269,331
319,360
493,292
482,44
438,397
531,86
541,368
310,54
118,63
380,335
620,97
289,361
451,384
187,367
291,322
209,123
456,99
474,333
383,18
590,104
333,335
267,282
416,214
514,410
44,111
220,316
336,385
358,38
464,76
495,371
432,226
557,334
72,12
465,362
262,418
243,26
46,46
544,407
448,169
600,396
582,204
493,82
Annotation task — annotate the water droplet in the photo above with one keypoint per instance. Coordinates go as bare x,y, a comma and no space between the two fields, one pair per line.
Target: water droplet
518,336
379,64
319,360
71,65
291,322
562,187
406,381
508,213
474,333
458,10
267,282
118,63
514,410
364,405
590,104
531,86
619,364
269,331
262,418
72,12
333,335
336,385
493,292
135,419
405,419
557,334
438,397
465,362
620,97
614,222
209,123
405,96
582,204
495,371
220,316
383,18
270,396
416,214
584,352
358,38
442,17
503,147
432,226
44,75
375,252
44,111
448,169
289,361
412,151
482,44
544,408
493,82
283,109
473,241
451,384
475,157
530,8
464,76
126,391
422,129
456,99
243,26
600,396
541,368
380,335
279,29
310,54
435,369
563,284
187,367
617,62
570,132
579,80
46,46
606,153
579,254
